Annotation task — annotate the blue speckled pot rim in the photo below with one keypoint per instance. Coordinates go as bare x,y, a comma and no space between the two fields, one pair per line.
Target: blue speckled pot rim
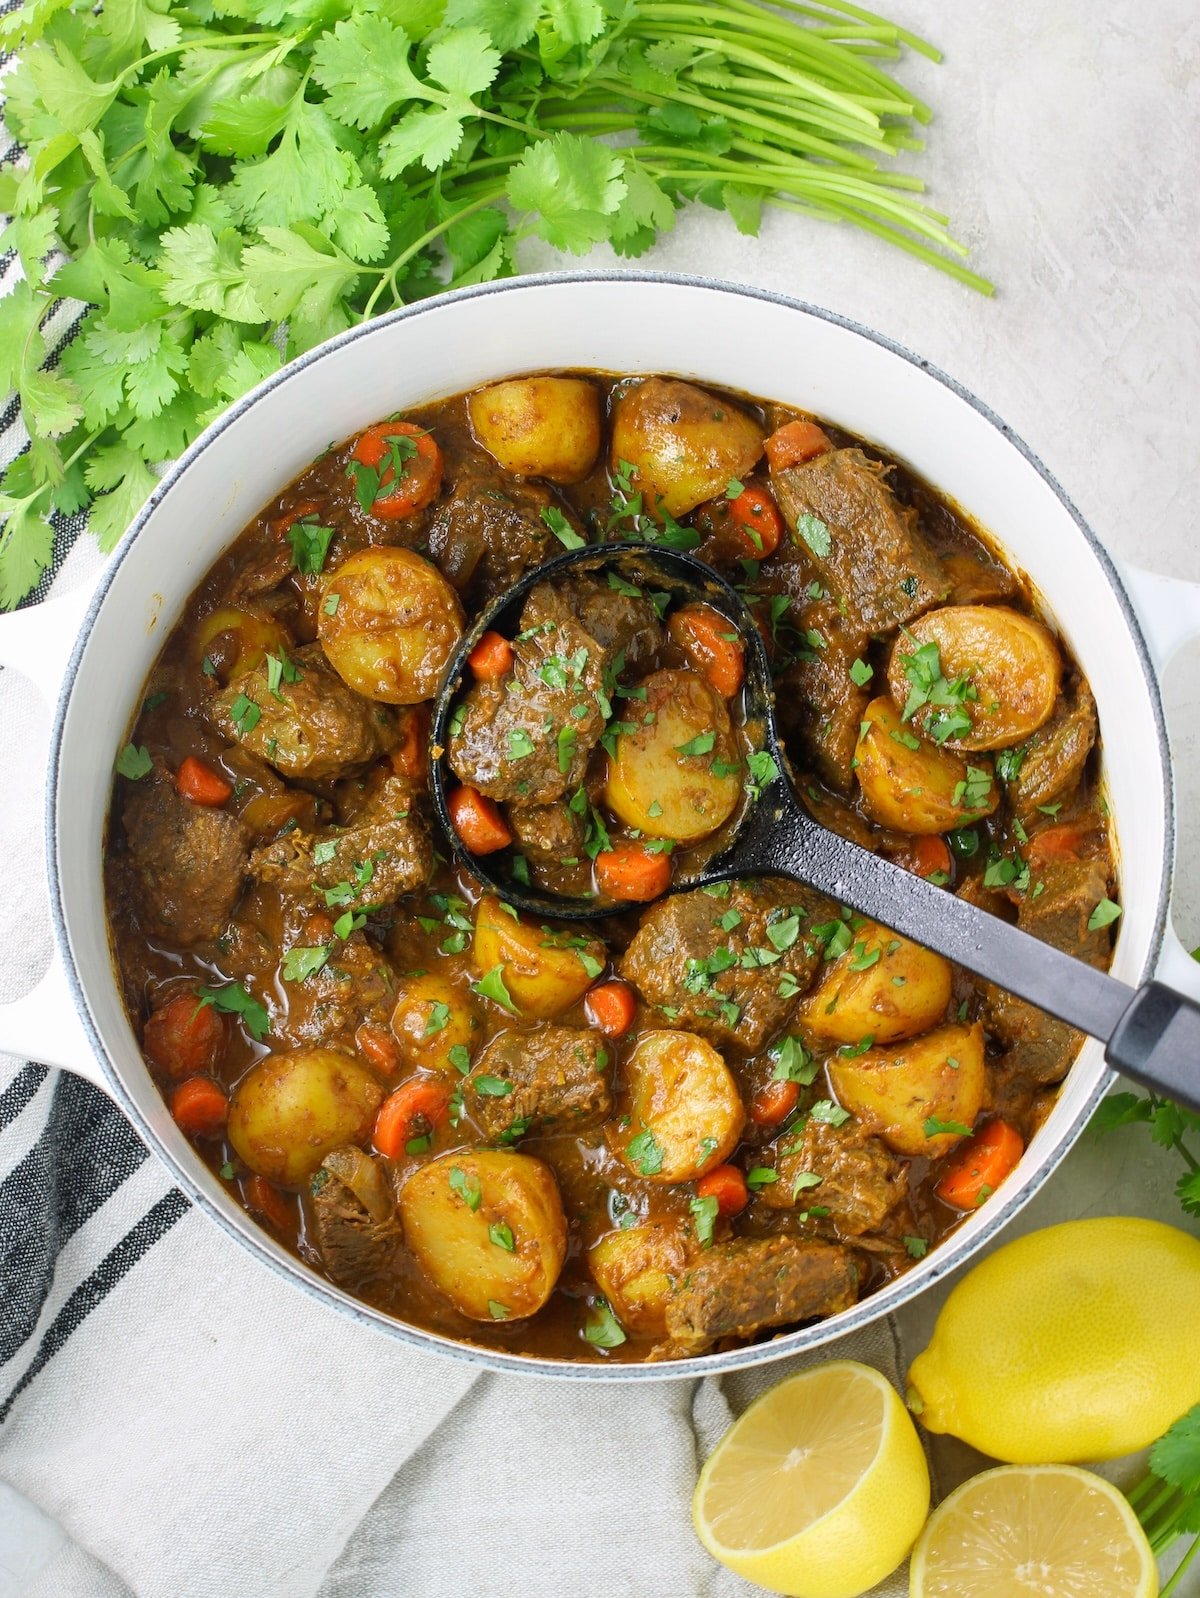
947,1257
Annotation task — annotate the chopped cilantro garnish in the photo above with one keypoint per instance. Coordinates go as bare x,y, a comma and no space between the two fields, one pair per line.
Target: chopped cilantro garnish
234,1000
134,762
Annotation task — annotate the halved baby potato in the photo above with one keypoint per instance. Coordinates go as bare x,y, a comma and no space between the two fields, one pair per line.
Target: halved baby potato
637,1271
241,639
433,1015
921,790
684,444
684,1111
488,1228
544,972
539,426
884,987
906,1095
653,783
1011,662
290,1110
388,623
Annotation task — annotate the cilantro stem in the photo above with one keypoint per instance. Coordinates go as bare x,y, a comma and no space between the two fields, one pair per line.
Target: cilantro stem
389,272
881,230
746,18
210,41
840,104
901,35
751,118
1182,1570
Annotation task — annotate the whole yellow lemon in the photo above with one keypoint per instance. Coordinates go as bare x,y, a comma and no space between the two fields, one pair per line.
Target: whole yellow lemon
1078,1342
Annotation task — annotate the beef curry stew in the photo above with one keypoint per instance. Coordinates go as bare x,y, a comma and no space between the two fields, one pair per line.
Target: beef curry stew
689,1122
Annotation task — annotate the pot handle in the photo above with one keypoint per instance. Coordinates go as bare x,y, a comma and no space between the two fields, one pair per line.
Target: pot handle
1168,609
44,1025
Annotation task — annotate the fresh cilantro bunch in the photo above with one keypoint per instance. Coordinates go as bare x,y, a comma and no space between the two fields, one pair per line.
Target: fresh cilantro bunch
1167,1499
1169,1126
225,183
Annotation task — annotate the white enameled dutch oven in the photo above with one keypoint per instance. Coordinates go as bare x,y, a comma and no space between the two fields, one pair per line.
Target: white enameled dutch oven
91,657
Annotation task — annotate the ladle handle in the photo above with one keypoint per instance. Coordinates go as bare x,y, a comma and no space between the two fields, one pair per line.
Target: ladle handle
1151,1034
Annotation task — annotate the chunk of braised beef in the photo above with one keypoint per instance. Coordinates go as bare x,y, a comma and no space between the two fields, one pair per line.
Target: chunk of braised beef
1038,1048
386,852
1054,758
820,705
526,738
489,530
840,1169
549,834
624,624
751,1284
188,862
307,725
729,967
318,988
1059,903
546,1080
354,1217
847,528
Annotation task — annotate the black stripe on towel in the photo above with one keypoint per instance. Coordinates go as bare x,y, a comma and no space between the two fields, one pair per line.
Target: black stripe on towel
155,1224
86,1150
20,1091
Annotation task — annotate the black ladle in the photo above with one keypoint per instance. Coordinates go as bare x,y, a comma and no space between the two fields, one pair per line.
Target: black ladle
1150,1033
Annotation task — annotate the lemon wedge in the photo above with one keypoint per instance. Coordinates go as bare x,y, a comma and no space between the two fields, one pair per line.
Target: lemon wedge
1034,1531
819,1489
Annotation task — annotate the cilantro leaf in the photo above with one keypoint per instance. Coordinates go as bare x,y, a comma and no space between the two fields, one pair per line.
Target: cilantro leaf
570,185
602,1328
134,762
234,1000
1175,1457
362,65
491,986
705,1212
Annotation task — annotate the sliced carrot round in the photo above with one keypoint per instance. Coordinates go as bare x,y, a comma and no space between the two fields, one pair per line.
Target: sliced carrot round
711,643
268,1201
283,525
200,783
794,443
979,1165
491,658
409,756
478,821
414,1110
408,467
728,1186
756,514
200,1106
611,1007
632,873
184,1037
378,1047
931,856
774,1103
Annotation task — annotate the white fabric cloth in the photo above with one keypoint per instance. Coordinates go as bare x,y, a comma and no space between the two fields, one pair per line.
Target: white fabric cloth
208,1430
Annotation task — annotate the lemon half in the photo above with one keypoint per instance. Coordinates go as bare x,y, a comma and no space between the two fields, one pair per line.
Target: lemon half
821,1487
1033,1531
